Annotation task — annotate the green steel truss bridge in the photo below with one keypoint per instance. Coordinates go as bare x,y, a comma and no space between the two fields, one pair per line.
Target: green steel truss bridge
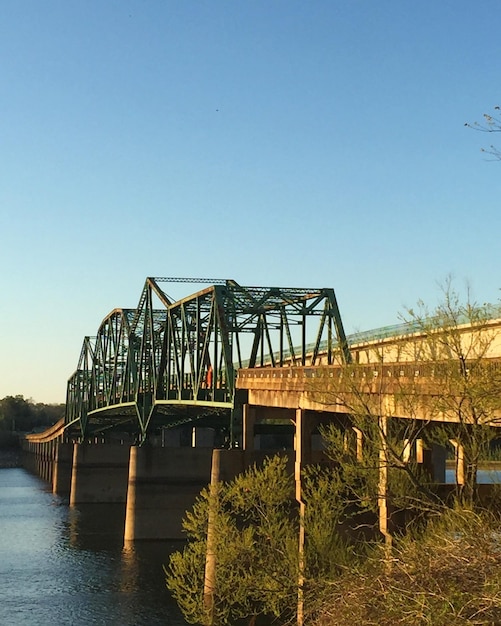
167,363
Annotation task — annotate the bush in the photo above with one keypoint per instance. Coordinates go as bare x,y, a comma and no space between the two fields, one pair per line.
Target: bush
449,574
256,549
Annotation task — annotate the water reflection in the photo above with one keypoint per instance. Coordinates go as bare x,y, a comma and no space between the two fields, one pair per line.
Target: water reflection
137,569
130,569
67,566
484,477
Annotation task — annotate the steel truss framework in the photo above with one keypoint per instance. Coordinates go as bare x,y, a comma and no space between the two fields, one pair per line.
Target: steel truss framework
170,362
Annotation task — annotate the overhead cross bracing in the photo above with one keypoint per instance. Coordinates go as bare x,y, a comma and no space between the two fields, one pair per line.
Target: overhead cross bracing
167,362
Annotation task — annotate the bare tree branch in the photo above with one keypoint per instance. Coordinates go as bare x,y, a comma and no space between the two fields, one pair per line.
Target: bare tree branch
491,124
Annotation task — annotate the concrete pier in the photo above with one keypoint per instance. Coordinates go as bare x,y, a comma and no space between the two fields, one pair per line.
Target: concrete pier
163,484
99,473
61,474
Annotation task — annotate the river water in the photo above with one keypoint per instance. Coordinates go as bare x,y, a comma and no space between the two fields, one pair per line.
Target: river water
63,566
484,477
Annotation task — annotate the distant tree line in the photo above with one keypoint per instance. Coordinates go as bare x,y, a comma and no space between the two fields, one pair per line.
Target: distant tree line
19,415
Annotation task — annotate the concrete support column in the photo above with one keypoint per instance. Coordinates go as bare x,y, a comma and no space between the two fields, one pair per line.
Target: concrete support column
29,457
302,449
302,445
63,462
249,420
163,484
412,451
420,449
46,464
303,456
383,481
50,457
433,460
39,459
99,473
360,442
202,437
37,453
353,441
302,564
210,554
459,462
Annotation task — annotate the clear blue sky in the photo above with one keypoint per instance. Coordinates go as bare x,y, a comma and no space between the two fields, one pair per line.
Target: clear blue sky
315,143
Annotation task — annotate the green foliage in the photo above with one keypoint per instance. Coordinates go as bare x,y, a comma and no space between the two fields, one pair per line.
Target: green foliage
357,477
256,525
447,574
466,382
328,549
185,579
20,415
255,546
437,566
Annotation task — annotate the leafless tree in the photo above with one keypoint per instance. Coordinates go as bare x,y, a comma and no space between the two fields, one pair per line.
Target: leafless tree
490,124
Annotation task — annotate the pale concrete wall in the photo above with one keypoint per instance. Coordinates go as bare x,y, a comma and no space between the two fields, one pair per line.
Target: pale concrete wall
411,348
99,473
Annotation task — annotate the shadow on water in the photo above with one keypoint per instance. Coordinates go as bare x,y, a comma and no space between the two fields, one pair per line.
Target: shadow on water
96,527
138,568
